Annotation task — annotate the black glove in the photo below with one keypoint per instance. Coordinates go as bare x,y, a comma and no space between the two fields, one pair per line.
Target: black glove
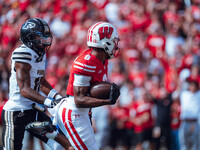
40,128
114,93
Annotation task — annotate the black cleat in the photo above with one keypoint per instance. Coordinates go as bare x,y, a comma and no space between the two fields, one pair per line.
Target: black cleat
40,128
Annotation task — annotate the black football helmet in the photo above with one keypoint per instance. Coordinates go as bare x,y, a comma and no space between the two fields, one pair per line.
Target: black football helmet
35,34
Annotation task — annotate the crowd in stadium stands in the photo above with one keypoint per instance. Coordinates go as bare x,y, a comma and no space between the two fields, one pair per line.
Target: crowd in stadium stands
159,59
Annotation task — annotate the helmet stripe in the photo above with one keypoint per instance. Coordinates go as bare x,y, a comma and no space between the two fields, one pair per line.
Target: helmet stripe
91,30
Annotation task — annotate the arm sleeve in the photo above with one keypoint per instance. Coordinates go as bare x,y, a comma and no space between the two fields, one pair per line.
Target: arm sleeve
80,80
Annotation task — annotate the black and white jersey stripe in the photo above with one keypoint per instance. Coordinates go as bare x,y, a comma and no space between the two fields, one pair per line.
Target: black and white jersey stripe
21,56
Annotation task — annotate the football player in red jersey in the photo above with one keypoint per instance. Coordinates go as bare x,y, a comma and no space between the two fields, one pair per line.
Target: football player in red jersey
71,114
88,68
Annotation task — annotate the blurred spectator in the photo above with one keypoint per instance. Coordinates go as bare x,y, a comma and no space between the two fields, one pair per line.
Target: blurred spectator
112,11
137,74
141,117
156,41
120,134
162,129
3,100
194,73
190,108
59,22
101,125
170,16
117,72
127,88
175,124
173,40
138,17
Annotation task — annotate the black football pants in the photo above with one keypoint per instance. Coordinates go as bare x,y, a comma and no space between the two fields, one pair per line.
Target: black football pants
14,123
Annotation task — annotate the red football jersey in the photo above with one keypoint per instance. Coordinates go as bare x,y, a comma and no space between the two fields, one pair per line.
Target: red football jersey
87,64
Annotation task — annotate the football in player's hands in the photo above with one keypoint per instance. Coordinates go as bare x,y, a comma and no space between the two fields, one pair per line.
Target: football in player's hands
100,90
105,90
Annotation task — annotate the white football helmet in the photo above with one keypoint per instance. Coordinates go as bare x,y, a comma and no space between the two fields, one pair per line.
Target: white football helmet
104,35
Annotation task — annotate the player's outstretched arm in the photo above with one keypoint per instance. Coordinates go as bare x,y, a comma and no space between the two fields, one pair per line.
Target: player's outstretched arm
47,89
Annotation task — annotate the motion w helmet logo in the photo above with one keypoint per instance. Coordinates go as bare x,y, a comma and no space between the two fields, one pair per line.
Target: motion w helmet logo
105,32
28,25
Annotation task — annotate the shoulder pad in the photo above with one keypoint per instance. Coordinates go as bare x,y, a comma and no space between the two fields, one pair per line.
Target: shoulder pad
84,67
22,54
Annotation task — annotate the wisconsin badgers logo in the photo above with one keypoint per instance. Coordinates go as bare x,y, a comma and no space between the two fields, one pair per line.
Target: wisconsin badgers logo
28,25
105,32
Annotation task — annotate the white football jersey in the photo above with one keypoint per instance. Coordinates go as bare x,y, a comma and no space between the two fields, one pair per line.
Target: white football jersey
24,54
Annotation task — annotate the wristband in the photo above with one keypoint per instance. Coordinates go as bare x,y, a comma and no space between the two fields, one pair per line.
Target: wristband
52,93
48,102
52,135
58,96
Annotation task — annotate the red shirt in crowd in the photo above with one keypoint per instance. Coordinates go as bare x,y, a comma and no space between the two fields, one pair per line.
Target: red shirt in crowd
141,115
196,12
170,17
121,114
137,78
8,35
170,75
1,108
186,62
175,115
139,22
156,44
